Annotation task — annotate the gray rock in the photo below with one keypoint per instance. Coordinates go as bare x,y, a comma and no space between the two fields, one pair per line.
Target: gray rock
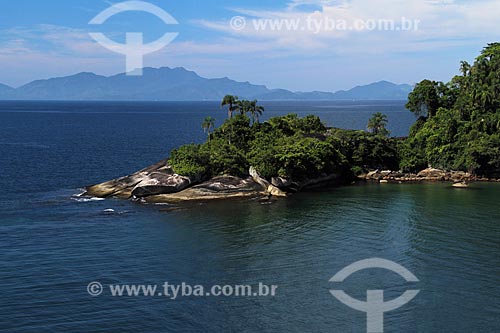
122,187
229,184
397,174
386,173
431,173
218,188
268,187
281,183
161,183
374,175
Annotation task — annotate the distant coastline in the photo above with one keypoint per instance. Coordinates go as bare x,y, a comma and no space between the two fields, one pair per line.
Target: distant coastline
179,84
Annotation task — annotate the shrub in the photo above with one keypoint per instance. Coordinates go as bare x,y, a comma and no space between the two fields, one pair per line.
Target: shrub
226,159
191,161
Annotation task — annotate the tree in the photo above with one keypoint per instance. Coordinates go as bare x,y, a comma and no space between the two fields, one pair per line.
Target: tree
251,107
191,161
236,131
256,111
244,106
232,103
424,99
462,128
485,79
465,68
377,124
207,125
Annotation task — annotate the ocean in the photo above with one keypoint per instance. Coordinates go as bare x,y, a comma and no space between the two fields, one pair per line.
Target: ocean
54,244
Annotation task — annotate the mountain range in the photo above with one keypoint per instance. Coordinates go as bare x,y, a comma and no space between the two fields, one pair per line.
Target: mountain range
179,84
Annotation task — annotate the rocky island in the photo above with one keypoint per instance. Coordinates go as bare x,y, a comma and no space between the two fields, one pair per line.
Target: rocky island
456,138
222,167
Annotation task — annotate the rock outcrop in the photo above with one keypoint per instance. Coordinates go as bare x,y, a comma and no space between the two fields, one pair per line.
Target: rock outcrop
123,187
222,187
161,183
268,187
432,174
429,175
156,179
158,183
281,183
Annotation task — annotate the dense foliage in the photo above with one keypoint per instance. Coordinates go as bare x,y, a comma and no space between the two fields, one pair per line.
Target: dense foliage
459,124
377,124
458,128
366,151
289,146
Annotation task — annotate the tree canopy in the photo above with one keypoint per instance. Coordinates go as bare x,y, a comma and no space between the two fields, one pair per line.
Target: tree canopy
460,124
377,124
287,146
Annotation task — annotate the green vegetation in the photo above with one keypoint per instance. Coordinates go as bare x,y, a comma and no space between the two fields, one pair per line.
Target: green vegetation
366,151
207,125
288,146
231,102
252,108
377,124
458,128
459,124
242,106
190,160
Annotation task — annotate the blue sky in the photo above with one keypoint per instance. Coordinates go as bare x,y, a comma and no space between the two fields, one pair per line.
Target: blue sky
43,39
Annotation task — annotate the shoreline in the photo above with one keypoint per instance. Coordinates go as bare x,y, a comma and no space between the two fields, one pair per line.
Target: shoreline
158,184
427,175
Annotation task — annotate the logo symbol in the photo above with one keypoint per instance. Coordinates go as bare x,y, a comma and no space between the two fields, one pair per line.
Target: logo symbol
375,307
134,48
94,289
238,23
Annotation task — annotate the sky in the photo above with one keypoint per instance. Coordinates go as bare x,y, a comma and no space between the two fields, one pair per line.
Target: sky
301,45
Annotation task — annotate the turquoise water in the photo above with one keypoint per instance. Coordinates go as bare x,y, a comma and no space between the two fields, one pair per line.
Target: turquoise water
52,244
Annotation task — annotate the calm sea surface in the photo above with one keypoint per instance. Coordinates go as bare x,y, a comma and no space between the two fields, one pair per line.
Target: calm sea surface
52,244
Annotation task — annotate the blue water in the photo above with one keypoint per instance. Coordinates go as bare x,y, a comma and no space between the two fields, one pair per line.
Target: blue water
53,244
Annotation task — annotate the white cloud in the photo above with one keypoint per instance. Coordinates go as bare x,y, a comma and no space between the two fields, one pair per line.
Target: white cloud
441,23
320,3
28,53
53,39
298,59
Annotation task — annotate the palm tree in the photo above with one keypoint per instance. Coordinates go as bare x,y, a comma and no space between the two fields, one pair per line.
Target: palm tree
256,111
377,124
232,102
251,107
465,68
207,125
244,106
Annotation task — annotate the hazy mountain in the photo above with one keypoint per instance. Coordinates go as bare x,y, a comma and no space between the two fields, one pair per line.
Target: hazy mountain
281,94
5,90
380,90
179,84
